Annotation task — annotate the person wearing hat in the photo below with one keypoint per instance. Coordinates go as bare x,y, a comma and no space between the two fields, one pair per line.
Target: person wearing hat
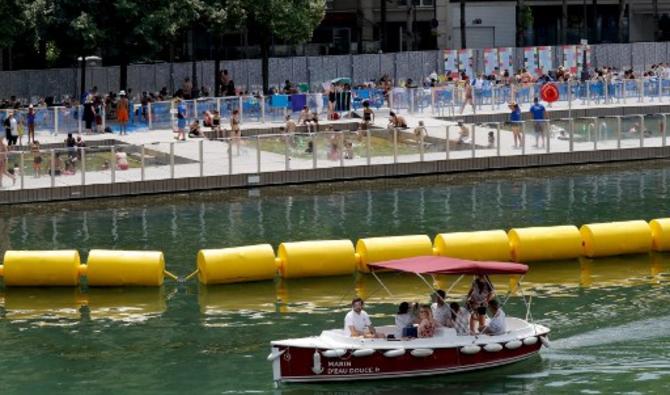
30,122
122,112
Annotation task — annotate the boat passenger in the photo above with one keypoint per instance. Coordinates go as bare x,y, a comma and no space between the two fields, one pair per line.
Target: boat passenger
478,299
427,325
496,326
459,319
357,322
439,308
403,319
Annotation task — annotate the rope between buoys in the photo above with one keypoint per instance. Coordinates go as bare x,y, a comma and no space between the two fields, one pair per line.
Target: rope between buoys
190,276
170,275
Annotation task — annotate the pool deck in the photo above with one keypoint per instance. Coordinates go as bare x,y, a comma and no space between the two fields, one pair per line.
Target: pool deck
210,165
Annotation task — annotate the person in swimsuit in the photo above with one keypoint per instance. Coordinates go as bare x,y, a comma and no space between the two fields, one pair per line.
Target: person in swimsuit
30,121
467,96
122,112
481,293
368,114
332,98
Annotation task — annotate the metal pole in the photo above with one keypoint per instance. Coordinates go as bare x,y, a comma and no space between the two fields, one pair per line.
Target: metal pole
201,157
446,150
82,151
142,162
150,116
241,102
570,99
172,160
641,130
663,127
287,159
411,100
472,141
618,132
498,139
112,164
103,116
258,153
546,131
79,116
395,145
523,137
262,108
23,166
594,133
340,143
55,120
230,156
53,168
421,147
571,125
314,153
640,88
367,146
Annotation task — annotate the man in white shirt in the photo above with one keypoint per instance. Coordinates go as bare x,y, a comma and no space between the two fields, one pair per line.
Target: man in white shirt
357,321
496,325
440,309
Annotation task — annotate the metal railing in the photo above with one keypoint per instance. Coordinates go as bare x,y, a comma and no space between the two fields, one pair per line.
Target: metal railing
253,155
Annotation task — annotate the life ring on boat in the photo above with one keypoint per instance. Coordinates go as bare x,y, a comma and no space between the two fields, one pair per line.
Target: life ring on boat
513,344
549,93
334,353
545,341
394,353
363,352
274,355
493,347
529,341
470,349
421,352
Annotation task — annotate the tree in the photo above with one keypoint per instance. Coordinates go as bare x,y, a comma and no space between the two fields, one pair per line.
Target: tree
293,21
463,41
221,17
12,15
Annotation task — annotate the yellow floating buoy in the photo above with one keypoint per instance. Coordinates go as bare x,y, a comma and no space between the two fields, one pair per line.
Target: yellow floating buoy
487,245
376,249
660,234
119,268
41,268
236,264
316,258
616,238
545,243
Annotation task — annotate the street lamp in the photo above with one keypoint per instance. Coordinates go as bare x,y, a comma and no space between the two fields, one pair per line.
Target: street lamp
93,60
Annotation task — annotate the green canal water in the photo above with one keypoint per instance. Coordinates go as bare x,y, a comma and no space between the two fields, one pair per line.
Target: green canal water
610,318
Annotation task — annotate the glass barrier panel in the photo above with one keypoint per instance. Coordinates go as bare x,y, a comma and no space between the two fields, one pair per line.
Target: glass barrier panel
422,99
380,142
68,119
300,150
274,151
652,132
409,144
215,154
585,133
161,117
354,148
444,100
329,148
665,88
10,178
559,133
157,161
486,139
607,131
596,91
523,93
400,99
227,106
97,162
251,108
651,89
244,154
434,143
187,158
276,108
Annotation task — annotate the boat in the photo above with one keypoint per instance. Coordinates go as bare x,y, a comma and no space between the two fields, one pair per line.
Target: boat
334,356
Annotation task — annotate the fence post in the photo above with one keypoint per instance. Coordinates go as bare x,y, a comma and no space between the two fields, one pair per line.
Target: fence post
287,158
142,154
618,132
82,152
395,145
368,143
53,168
446,150
641,130
258,153
172,159
472,141
23,165
230,156
112,164
663,127
570,99
421,147
588,93
498,139
103,117
241,104
201,157
571,125
640,89
314,153
150,116
262,108
523,137
80,114
195,108
340,143
546,132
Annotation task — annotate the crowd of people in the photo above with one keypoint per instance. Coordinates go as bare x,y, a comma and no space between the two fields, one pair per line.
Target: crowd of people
423,321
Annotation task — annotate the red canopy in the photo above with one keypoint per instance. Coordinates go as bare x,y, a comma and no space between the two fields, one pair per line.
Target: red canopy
446,265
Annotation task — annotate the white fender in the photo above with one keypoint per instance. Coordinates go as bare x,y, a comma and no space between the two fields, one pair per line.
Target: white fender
334,353
363,352
394,353
421,352
470,349
316,363
545,341
529,341
513,345
274,355
493,347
